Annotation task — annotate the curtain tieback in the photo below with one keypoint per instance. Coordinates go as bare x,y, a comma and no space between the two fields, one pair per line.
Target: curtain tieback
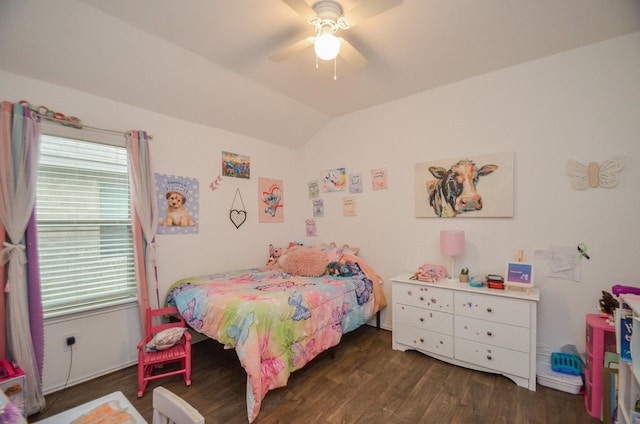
13,251
151,252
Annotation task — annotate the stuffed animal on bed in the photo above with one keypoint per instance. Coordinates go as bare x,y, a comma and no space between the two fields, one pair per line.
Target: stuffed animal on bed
274,254
346,270
334,269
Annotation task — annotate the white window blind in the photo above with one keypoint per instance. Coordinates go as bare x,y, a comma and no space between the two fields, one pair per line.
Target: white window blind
84,225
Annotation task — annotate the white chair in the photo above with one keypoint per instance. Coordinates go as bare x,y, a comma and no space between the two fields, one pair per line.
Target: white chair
169,408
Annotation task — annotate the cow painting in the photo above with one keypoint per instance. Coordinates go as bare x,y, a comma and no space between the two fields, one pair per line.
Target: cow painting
454,190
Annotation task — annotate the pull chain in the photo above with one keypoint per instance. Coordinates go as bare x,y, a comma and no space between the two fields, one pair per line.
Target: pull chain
335,67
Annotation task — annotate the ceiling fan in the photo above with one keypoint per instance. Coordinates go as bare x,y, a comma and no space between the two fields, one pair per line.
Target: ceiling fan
327,17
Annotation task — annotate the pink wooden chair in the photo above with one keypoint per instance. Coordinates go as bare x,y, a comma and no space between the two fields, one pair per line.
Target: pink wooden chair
180,352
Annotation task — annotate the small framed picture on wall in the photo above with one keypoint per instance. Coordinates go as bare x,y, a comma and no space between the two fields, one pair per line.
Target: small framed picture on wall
519,274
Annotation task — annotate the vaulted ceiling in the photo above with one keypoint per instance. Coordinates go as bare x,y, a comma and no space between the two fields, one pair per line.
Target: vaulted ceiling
207,61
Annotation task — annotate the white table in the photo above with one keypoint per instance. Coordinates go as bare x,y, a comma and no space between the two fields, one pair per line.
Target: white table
71,414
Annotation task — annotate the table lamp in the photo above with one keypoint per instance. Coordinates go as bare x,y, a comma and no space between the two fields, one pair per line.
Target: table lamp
452,244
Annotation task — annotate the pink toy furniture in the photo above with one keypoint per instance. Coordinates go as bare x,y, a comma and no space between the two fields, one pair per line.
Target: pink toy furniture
178,353
601,338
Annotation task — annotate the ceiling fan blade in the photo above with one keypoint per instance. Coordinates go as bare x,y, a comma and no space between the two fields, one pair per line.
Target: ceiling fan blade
292,49
368,9
302,8
352,56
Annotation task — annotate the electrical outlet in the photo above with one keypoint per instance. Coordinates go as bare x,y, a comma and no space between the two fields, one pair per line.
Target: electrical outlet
70,341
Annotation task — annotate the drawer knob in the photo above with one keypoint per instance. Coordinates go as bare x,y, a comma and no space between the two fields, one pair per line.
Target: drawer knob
489,333
421,340
421,319
489,310
489,357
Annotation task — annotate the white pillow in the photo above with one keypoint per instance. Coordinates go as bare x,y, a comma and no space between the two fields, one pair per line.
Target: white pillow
165,339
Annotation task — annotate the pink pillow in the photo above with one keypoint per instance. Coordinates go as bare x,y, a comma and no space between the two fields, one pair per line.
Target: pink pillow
305,261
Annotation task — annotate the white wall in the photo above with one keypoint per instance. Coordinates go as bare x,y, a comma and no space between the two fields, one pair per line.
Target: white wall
107,340
582,105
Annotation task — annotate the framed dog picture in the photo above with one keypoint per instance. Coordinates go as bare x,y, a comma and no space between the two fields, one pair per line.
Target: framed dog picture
519,274
178,201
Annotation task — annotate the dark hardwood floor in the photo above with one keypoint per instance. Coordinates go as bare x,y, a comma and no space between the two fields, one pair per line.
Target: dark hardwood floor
366,382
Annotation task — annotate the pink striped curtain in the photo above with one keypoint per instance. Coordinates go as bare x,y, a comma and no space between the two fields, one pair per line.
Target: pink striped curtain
145,220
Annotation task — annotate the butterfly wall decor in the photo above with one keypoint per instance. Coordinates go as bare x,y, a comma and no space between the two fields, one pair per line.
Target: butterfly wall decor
594,175
215,183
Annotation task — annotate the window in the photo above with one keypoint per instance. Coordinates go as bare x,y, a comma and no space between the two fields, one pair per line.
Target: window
84,222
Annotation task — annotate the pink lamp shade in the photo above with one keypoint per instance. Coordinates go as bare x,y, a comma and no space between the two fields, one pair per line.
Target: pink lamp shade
452,242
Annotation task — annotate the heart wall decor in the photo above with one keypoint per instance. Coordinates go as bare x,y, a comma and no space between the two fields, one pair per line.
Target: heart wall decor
238,216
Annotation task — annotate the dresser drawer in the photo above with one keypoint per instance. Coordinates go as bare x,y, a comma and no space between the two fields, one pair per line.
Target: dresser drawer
493,308
423,296
440,322
493,357
492,333
425,340
588,369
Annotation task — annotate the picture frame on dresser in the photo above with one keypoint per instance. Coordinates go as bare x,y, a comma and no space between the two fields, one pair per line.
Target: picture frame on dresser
519,274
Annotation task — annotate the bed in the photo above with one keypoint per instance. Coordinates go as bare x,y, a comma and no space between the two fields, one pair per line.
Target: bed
278,322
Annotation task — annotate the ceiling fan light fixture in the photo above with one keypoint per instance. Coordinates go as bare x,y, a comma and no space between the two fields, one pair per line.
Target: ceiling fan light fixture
326,45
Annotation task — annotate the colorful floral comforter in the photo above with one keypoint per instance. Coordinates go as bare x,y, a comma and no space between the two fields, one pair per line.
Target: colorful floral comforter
277,322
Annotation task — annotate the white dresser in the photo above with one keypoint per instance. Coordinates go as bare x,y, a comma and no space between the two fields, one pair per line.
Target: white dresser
479,328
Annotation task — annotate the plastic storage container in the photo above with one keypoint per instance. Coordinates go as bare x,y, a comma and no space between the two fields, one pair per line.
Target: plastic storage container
556,380
566,363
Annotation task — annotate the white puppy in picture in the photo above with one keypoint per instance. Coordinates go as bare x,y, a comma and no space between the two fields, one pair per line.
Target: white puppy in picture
176,212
